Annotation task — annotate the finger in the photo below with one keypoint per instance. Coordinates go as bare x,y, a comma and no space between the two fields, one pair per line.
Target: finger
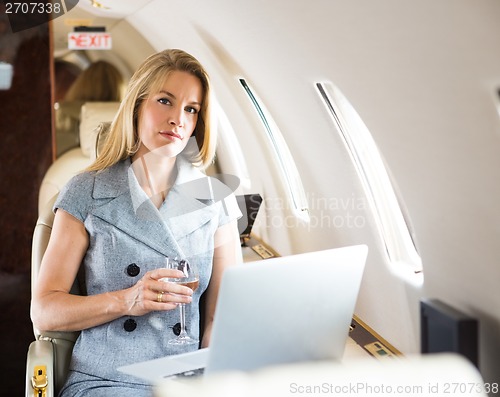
160,273
163,297
163,306
174,288
150,282
167,286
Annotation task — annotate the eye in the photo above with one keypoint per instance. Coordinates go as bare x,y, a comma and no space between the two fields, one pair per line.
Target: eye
191,109
164,101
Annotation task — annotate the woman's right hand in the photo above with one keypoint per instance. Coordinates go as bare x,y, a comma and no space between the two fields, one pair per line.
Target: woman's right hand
151,294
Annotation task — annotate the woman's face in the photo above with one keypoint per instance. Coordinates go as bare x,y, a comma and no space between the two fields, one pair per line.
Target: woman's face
167,118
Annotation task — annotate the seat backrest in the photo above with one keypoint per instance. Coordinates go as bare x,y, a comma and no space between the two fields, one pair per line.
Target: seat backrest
93,116
75,160
62,342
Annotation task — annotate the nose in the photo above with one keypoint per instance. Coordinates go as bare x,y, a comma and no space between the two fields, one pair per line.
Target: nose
176,118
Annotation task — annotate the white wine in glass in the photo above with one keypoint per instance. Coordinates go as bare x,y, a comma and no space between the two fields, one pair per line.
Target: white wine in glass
191,280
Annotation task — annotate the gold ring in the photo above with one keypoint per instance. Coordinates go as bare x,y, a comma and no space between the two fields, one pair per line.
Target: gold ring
159,297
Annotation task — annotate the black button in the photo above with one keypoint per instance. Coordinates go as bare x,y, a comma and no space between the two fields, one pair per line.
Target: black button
129,325
177,329
133,270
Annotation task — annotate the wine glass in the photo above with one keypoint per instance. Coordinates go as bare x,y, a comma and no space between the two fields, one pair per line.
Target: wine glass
191,280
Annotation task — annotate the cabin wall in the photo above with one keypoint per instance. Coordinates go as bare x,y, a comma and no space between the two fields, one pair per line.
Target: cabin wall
26,150
125,59
422,76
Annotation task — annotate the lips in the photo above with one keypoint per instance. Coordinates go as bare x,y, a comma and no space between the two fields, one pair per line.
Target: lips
171,134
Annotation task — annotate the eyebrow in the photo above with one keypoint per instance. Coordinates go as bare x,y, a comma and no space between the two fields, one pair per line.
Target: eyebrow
173,96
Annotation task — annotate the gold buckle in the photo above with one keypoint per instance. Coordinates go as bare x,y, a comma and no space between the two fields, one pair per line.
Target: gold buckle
40,381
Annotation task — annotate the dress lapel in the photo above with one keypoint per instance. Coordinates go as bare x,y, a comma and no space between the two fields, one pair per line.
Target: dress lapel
190,204
188,207
194,199
124,207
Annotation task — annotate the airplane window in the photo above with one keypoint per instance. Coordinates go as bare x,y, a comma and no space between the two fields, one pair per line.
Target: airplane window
284,158
391,215
230,157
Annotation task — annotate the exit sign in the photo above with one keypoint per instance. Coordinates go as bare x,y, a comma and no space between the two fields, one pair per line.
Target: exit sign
89,41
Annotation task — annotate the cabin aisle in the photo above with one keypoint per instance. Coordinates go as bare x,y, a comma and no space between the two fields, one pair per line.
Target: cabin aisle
16,332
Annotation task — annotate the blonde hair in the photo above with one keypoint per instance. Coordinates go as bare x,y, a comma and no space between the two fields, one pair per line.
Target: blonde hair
123,140
100,82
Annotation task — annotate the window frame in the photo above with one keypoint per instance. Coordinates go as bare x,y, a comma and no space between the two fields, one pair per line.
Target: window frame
286,164
387,205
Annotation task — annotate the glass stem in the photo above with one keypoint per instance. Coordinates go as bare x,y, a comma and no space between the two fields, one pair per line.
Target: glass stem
182,310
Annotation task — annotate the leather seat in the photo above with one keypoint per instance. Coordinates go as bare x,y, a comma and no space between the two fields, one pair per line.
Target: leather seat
50,354
75,160
51,350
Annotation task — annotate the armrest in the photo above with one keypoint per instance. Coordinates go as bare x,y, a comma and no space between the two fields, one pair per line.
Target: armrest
54,350
40,354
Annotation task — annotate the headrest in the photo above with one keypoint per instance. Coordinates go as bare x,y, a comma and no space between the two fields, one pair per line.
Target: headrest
102,134
91,116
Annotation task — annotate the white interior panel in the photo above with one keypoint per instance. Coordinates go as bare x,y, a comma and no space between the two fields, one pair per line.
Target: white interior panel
422,77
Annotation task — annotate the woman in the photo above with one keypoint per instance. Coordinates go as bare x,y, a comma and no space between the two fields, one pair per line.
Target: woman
143,200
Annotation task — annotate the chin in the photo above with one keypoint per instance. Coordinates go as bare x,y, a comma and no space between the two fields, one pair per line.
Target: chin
170,150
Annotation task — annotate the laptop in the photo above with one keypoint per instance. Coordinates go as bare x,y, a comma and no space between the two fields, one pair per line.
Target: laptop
281,310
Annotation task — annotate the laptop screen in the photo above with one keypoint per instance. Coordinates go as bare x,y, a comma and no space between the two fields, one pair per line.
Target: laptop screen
249,205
